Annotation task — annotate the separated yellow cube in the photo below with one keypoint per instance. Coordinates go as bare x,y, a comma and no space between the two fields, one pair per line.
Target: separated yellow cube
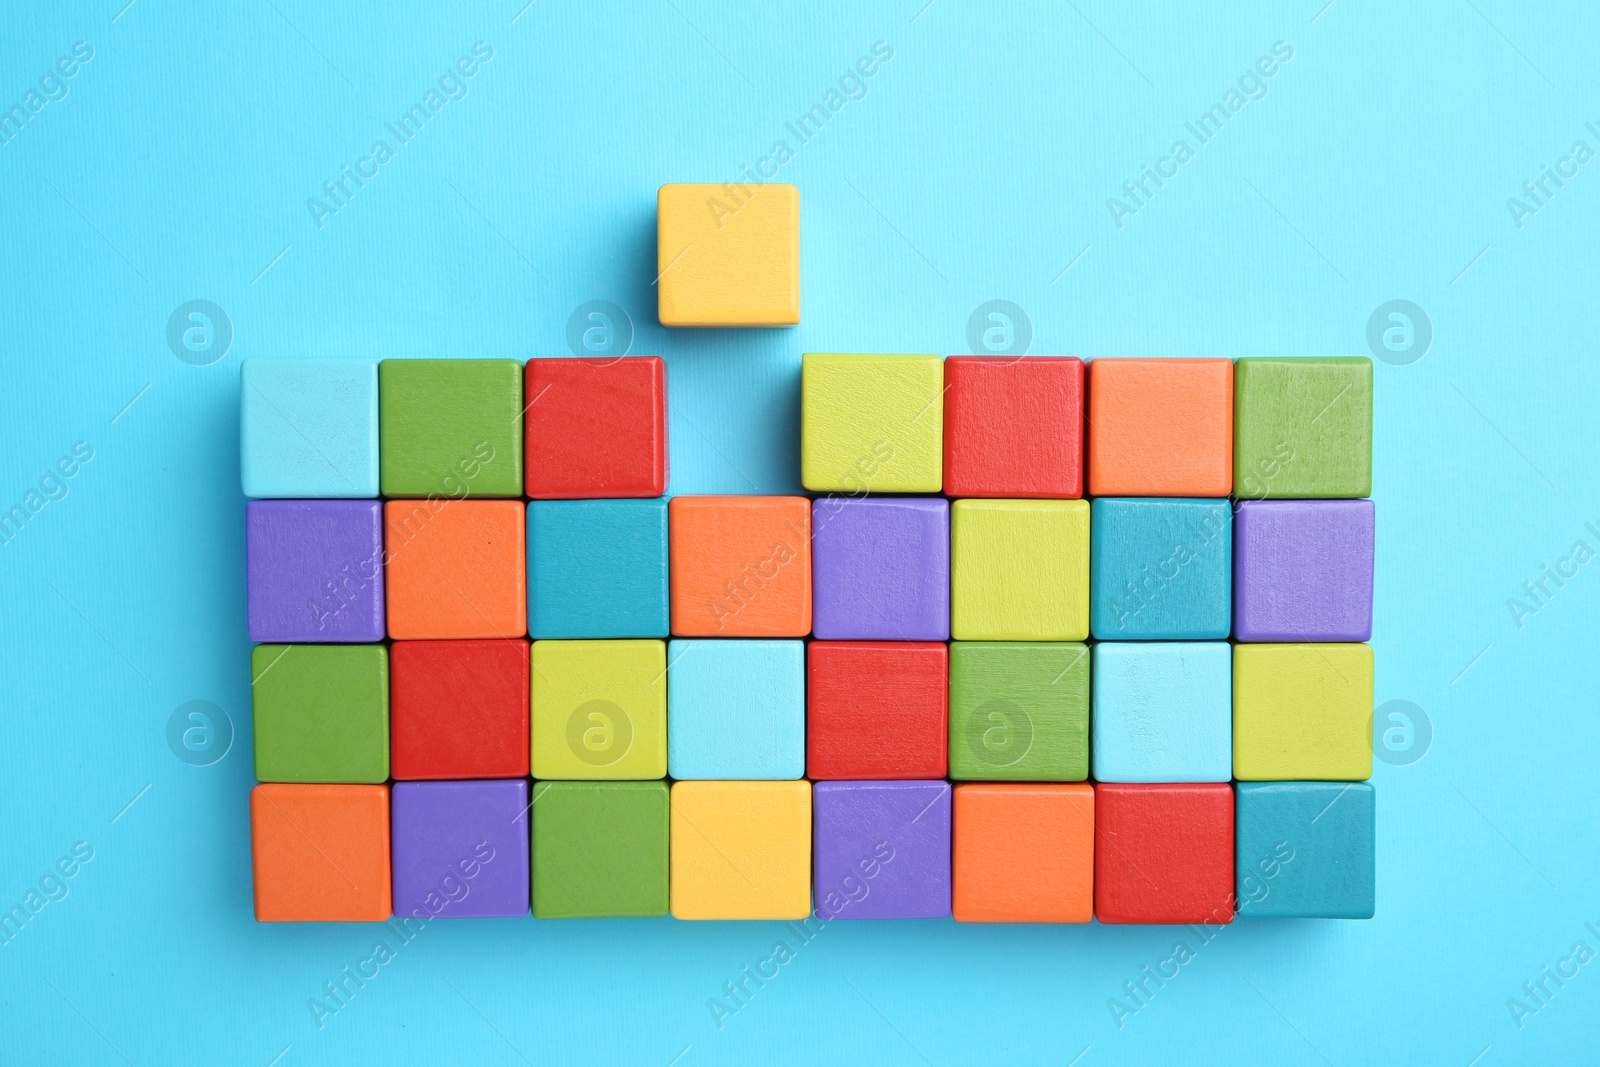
1302,712
1019,570
599,710
741,850
728,255
871,423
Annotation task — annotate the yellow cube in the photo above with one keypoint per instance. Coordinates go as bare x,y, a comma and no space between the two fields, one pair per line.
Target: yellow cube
599,709
728,255
871,423
1302,712
741,850
1019,570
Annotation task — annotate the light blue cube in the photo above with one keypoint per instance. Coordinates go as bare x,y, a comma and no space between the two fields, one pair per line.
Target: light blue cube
1161,569
308,428
1304,849
736,709
1162,711
597,569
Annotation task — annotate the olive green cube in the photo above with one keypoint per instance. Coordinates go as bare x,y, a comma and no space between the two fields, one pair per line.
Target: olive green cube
1302,428
1019,711
599,849
450,428
321,713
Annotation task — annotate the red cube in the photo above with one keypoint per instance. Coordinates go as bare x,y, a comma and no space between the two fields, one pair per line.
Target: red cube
595,428
877,709
1163,853
458,709
1013,427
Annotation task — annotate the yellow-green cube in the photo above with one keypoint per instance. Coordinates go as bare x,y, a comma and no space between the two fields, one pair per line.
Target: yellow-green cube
1019,570
871,423
1302,712
599,710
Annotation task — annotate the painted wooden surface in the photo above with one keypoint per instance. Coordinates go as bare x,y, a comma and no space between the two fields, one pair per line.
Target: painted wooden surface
1303,570
320,853
1162,569
450,427
314,570
1019,570
741,566
599,709
1305,849
1302,711
1163,853
1023,853
1163,711
871,423
597,568
1019,711
308,428
459,709
741,850
456,568
876,709
320,712
1303,428
882,849
596,428
728,255
460,848
881,569
736,709
1160,427
1013,427
599,849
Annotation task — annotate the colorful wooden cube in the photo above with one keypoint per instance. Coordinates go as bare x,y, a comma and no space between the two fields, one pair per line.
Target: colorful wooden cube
321,713
1163,711
1162,569
460,849
1019,711
1023,853
876,709
599,709
741,566
1303,570
315,570
597,568
599,849
1303,428
871,423
1163,853
1013,427
880,569
882,849
741,850
596,428
1302,711
459,709
308,428
736,709
320,853
456,568
451,427
1019,570
728,255
1160,427
1305,849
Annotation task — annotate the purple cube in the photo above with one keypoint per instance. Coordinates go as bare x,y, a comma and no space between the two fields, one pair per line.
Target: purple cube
881,569
1302,570
882,849
460,849
315,570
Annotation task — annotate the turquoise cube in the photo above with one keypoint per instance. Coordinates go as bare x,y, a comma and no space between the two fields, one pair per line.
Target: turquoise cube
597,568
736,709
1162,711
1304,849
308,428
1161,569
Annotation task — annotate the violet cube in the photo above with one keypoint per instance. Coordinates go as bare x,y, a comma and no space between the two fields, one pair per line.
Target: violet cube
881,569
314,570
1302,570
882,849
460,848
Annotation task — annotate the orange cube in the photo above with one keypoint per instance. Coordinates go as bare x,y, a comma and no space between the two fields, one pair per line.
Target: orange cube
320,852
741,566
1023,853
455,568
1160,427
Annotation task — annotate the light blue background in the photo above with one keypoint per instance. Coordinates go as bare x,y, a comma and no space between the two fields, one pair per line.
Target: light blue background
977,167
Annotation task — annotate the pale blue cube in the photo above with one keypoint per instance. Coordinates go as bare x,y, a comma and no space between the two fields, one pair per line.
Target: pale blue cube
309,428
736,709
1162,711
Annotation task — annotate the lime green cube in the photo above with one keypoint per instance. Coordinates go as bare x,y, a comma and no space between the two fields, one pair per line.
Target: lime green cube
599,710
1019,570
599,849
1302,428
450,427
871,423
321,713
1019,711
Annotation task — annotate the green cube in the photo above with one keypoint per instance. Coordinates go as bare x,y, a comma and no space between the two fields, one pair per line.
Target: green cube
1019,711
1302,428
450,427
321,712
871,423
599,849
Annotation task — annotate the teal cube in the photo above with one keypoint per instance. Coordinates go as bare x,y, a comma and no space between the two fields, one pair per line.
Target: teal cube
597,569
736,709
1161,569
1162,711
308,428
1305,849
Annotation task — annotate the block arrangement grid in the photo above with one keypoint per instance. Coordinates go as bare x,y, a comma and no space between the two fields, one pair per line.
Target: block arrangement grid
1049,641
